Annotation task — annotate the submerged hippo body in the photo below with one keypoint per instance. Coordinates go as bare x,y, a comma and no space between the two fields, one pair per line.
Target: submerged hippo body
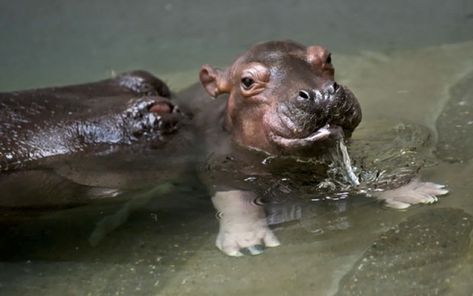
42,123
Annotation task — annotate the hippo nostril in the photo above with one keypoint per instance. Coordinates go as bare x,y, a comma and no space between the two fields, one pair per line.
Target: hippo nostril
336,86
304,95
330,88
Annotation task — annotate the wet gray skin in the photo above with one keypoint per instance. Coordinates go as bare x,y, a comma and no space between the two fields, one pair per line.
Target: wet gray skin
43,123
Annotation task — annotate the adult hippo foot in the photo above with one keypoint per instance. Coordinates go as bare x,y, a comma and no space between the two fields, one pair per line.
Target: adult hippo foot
243,226
148,115
415,192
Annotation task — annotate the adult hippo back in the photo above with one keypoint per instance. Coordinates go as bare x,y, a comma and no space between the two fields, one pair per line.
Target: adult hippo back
42,123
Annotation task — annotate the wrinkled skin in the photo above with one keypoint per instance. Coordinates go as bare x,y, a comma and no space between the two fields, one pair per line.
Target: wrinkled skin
49,122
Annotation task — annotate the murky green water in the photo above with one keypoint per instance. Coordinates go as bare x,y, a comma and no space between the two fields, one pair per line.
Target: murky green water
411,67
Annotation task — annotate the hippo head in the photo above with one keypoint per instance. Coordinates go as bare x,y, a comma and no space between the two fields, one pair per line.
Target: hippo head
283,99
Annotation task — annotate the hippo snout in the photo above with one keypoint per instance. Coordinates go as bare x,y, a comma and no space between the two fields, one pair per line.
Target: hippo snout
150,115
332,104
315,95
316,115
312,109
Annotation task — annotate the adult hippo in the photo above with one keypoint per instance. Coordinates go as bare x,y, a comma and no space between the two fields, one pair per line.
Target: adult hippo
52,140
42,123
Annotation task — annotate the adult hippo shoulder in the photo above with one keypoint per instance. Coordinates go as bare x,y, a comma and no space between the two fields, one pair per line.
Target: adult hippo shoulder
278,99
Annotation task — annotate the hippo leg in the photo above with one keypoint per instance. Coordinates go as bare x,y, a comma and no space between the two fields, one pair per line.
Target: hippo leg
243,226
415,192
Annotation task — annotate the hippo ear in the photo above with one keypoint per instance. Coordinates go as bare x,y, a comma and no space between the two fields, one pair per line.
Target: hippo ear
215,81
317,55
321,59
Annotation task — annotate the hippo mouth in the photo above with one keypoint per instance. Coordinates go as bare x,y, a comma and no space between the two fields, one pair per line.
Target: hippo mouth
326,119
323,134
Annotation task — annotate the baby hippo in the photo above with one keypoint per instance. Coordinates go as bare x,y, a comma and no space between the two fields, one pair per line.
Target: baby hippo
278,99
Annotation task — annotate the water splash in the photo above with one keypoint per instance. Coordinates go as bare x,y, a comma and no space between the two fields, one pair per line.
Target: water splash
342,163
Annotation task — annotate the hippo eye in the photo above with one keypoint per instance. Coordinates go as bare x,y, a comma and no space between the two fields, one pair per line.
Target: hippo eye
247,82
329,59
304,95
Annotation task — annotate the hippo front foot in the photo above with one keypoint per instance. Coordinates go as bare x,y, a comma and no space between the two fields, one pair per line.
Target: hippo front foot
415,192
243,227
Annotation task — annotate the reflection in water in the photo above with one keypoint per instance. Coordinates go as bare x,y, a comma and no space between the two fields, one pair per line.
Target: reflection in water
109,223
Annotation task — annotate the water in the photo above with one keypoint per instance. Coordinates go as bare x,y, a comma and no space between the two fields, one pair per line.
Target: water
343,163
415,91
